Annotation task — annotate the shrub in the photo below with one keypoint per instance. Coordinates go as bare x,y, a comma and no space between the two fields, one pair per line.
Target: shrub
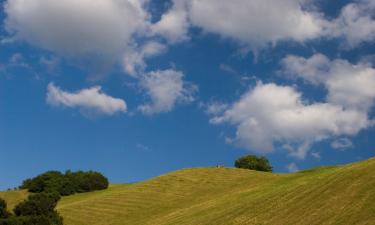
253,162
3,209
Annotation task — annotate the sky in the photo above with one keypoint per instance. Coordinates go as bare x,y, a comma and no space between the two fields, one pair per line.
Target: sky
138,88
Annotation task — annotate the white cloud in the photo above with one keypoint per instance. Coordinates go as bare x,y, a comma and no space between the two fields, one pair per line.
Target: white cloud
165,88
342,144
106,32
348,85
270,114
71,28
75,27
134,59
356,23
313,70
90,101
174,24
257,23
292,168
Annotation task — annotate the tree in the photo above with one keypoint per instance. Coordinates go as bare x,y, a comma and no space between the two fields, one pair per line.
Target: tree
66,184
91,181
253,162
38,209
37,204
48,181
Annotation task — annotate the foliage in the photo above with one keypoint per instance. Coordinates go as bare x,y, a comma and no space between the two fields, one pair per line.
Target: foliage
3,209
253,162
48,219
66,184
38,209
37,204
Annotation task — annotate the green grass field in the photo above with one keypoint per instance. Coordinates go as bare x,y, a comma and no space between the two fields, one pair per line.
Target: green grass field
222,196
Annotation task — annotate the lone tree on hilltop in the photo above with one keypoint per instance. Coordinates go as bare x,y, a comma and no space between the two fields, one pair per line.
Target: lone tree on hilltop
253,162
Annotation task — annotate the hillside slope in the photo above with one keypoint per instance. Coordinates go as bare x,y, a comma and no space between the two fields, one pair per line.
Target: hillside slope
13,197
221,196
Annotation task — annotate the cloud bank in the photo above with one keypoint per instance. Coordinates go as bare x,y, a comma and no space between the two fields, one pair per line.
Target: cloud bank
261,23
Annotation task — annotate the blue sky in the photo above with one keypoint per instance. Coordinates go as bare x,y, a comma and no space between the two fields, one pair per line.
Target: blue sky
135,89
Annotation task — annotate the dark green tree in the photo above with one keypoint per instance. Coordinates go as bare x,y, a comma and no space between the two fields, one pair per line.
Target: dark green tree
48,181
66,184
37,204
253,162
38,209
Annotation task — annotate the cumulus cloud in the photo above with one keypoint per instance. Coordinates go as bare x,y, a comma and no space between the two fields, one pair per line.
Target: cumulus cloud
174,24
270,114
165,89
348,85
257,22
91,101
71,28
355,24
118,31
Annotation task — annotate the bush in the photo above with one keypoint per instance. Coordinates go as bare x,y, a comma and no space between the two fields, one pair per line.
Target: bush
253,162
66,184
3,209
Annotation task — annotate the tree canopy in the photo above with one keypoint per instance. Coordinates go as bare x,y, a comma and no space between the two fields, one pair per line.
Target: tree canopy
253,162
66,184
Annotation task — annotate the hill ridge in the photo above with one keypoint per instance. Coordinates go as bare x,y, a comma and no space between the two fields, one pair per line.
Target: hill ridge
342,194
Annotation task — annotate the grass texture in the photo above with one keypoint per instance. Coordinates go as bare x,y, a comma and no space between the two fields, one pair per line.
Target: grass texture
225,196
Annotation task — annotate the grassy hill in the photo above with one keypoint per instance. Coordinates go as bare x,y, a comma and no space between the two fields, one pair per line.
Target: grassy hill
221,196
